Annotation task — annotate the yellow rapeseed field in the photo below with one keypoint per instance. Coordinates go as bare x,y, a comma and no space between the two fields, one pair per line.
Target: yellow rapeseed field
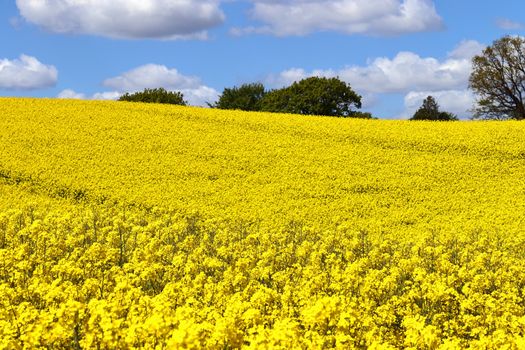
149,226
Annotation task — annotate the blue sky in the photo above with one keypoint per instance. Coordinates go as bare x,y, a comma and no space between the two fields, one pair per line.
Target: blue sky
392,52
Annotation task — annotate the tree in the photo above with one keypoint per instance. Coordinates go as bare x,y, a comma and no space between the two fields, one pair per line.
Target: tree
159,95
315,96
247,97
430,111
278,100
498,78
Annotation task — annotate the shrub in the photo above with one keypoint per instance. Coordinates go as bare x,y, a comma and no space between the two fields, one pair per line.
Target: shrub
159,95
247,97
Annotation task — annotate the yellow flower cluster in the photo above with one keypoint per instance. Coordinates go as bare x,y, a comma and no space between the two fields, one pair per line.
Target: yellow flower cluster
148,226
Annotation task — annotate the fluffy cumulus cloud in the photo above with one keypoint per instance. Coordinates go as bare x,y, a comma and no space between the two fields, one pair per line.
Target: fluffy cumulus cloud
406,71
107,95
466,50
26,73
375,17
152,76
72,94
68,93
161,19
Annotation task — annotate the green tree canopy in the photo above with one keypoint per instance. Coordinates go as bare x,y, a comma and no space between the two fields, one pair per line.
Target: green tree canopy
430,111
498,78
247,97
159,95
315,96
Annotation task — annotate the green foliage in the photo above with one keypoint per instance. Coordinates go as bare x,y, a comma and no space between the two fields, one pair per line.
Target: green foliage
361,115
498,78
159,95
247,97
314,96
278,101
430,111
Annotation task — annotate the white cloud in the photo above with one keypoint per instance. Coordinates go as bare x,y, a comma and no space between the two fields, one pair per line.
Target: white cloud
508,24
155,76
151,76
291,75
26,73
133,19
71,94
466,50
459,102
200,96
368,100
375,17
106,95
407,71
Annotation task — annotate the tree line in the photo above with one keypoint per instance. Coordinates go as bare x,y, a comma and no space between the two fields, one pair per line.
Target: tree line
311,96
497,78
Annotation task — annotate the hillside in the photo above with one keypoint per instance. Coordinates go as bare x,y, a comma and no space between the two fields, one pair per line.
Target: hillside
137,225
